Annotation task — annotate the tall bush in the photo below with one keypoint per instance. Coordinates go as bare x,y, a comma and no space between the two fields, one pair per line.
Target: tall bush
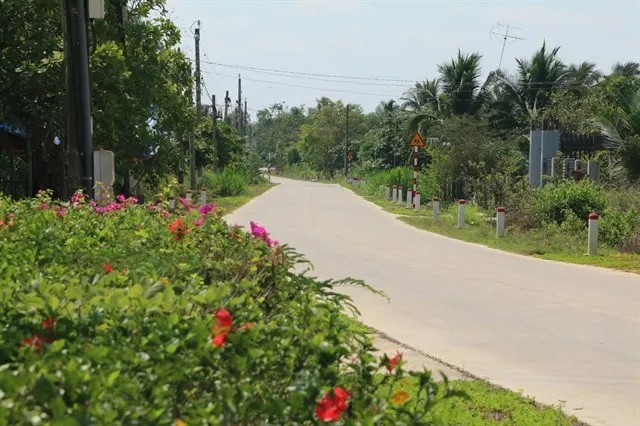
554,201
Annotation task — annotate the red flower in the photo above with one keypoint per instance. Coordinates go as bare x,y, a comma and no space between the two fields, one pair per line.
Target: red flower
394,362
178,229
219,339
108,268
48,323
330,408
37,342
224,318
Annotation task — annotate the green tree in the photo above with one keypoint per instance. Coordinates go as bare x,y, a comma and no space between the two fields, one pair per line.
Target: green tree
460,80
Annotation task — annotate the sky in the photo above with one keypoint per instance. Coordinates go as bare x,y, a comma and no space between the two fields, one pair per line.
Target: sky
383,46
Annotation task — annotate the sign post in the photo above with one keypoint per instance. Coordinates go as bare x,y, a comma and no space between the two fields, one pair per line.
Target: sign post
417,141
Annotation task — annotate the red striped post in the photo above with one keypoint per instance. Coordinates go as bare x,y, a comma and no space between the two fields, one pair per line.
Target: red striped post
415,173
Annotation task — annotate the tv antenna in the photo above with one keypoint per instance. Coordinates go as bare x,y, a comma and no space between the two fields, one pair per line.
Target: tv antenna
501,30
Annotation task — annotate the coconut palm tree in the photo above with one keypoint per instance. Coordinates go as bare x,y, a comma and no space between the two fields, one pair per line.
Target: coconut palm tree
628,69
460,80
424,94
535,81
622,137
583,76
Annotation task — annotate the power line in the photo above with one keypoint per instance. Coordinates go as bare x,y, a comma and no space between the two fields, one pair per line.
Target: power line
309,87
279,74
308,73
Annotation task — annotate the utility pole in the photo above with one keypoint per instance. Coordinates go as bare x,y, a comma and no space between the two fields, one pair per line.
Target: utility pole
239,109
346,146
245,121
227,101
79,132
505,36
214,131
192,148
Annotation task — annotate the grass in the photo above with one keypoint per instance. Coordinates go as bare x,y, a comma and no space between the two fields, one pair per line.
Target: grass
486,404
229,204
551,244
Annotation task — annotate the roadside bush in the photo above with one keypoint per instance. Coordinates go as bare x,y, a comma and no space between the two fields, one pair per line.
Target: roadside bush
554,201
618,229
125,314
226,183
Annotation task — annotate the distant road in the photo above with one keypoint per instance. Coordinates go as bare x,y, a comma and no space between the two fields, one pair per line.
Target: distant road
561,333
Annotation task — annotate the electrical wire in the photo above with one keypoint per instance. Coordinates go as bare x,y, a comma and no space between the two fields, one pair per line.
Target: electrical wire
241,67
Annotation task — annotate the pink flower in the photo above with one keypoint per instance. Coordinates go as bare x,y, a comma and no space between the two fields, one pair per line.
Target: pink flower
60,210
42,206
258,231
153,207
77,197
199,221
120,198
207,208
272,243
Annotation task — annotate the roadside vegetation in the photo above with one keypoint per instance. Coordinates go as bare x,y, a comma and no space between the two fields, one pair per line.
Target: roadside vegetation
477,134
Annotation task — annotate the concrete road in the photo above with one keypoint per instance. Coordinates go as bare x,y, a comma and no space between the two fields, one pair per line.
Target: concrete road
564,334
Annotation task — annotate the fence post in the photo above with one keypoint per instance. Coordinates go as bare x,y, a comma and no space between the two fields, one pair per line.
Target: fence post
568,165
416,201
172,203
461,206
400,194
436,209
394,197
500,222
189,196
577,165
593,170
387,194
592,247
554,166
409,198
203,197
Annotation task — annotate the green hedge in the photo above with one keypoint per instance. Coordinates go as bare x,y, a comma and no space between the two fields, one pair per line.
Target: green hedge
125,314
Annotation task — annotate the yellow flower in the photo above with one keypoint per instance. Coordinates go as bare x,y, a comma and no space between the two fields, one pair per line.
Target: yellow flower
180,423
399,398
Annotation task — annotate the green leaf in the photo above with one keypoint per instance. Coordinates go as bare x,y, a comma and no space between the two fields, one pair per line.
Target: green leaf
136,291
54,302
44,390
112,377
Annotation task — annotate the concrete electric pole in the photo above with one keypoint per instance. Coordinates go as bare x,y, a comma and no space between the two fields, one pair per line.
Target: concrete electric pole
192,149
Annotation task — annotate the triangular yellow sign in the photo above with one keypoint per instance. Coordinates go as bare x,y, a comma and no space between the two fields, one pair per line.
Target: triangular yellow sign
417,140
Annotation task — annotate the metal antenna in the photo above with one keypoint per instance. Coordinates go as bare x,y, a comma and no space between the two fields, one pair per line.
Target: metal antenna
505,36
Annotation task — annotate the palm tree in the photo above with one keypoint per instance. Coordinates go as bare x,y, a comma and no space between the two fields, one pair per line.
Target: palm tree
424,94
460,83
583,76
536,80
628,69
622,137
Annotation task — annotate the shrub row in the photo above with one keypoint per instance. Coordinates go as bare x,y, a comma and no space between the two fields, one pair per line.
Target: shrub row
128,314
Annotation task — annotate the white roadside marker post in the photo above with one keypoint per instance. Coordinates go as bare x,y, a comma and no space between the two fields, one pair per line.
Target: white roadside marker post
592,247
461,206
416,201
203,197
409,198
436,209
500,222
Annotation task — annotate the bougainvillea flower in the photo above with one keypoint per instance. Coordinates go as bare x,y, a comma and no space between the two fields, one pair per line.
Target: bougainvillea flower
42,206
330,408
199,221
48,323
258,231
61,211
272,243
120,198
207,208
219,339
394,362
108,268
77,197
399,398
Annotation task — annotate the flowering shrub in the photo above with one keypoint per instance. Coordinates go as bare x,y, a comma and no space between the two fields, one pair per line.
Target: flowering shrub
141,315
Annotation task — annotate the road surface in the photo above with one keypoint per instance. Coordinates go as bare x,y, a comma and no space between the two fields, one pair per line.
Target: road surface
563,334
